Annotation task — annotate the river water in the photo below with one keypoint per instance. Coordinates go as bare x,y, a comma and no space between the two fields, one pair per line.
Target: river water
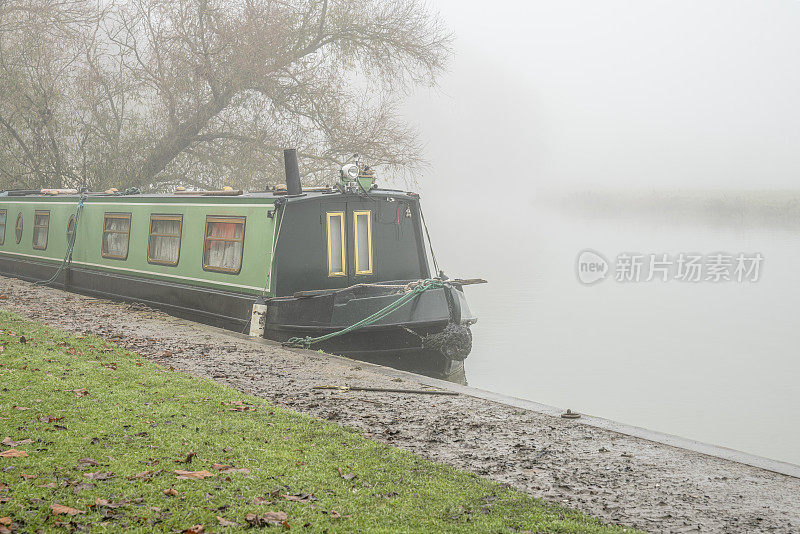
712,361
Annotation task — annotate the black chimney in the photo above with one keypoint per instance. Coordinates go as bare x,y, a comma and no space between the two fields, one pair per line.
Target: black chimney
293,185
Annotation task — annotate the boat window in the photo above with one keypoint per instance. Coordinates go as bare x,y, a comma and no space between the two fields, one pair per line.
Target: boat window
18,229
165,239
41,227
116,235
3,215
70,230
224,244
336,258
362,224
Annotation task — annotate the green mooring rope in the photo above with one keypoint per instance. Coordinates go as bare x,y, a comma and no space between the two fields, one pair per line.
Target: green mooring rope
423,286
70,245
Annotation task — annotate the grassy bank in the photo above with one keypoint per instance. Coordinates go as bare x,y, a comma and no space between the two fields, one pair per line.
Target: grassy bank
100,439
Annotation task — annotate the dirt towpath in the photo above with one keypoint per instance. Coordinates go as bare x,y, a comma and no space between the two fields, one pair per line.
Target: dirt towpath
619,478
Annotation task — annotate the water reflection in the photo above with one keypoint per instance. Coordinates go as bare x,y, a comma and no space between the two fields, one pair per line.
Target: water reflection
420,365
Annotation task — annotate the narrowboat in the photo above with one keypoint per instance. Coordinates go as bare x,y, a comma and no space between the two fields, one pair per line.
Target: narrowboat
343,269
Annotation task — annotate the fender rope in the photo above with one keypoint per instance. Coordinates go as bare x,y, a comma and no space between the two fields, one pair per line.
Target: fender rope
420,288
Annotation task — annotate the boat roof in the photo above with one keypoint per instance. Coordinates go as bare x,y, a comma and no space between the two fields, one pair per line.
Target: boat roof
266,196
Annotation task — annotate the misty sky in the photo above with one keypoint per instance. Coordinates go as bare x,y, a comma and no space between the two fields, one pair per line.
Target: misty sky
656,94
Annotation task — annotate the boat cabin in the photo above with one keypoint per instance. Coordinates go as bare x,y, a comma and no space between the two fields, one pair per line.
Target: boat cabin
336,240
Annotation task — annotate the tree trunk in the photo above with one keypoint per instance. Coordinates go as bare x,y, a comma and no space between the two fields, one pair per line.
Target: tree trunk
180,137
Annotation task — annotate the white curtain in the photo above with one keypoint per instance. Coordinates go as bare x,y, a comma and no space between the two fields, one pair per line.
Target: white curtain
165,240
224,245
115,238
3,217
40,227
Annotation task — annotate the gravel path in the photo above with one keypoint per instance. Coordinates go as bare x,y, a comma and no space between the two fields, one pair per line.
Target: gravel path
613,476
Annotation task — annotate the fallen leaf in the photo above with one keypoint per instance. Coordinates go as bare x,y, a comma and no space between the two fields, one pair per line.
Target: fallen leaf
171,492
83,486
28,477
242,470
221,467
8,442
188,458
3,297
334,514
80,392
197,475
87,461
49,418
268,519
13,453
51,485
5,521
20,408
346,476
225,523
59,509
197,529
226,469
303,498
99,475
144,474
109,504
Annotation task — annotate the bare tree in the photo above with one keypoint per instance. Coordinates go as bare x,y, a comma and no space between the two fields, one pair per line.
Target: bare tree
208,92
41,51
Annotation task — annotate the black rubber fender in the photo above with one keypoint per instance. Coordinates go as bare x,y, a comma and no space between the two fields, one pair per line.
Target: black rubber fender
454,342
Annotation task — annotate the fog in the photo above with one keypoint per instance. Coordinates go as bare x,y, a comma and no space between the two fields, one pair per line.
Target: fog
647,126
646,94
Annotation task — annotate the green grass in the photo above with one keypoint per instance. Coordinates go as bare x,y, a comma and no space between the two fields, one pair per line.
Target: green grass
137,416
